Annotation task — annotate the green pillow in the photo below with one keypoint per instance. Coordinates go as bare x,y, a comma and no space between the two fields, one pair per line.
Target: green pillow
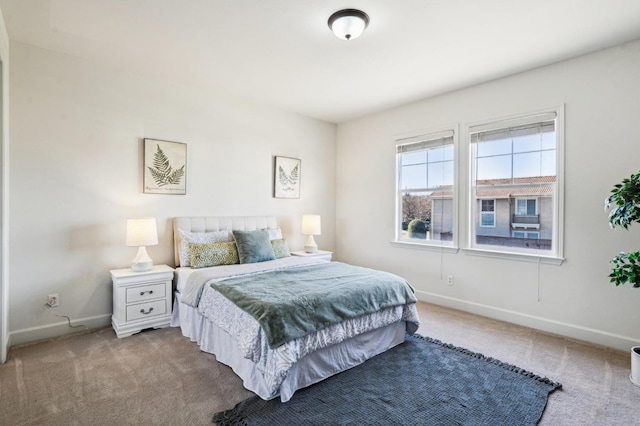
213,254
253,246
280,248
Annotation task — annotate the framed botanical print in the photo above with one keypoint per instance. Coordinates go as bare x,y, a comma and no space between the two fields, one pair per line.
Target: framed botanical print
165,167
286,177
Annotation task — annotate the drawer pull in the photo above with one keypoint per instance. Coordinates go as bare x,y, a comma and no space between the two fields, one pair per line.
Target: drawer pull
148,312
143,292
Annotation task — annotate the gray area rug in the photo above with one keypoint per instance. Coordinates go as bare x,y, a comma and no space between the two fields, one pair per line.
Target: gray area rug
419,382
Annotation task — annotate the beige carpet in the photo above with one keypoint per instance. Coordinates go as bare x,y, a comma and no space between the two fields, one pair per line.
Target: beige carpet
160,377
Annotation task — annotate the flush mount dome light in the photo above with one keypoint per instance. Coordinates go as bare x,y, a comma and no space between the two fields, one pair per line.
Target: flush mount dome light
348,24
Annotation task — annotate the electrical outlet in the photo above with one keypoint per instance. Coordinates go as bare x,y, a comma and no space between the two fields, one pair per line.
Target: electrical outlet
450,280
53,300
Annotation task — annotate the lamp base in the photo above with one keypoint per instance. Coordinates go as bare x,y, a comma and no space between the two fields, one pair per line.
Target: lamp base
142,262
310,246
141,266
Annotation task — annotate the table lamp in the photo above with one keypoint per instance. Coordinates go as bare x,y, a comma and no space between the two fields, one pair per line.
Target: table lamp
311,227
142,232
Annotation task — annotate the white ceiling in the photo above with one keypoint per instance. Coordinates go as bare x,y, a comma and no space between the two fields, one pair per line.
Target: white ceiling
283,53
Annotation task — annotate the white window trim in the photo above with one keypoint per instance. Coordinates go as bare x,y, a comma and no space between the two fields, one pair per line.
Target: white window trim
558,207
522,256
426,135
424,246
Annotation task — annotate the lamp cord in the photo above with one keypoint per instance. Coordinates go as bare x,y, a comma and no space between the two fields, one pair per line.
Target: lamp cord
46,305
69,322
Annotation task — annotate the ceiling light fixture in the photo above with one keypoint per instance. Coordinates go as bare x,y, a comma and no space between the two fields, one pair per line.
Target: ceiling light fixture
348,24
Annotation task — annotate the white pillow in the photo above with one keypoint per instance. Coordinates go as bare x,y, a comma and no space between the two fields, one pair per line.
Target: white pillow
275,234
187,237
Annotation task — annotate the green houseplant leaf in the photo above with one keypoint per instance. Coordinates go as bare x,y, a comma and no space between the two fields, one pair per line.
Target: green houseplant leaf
624,205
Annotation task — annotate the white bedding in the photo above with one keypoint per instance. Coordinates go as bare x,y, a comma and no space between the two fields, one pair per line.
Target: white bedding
274,364
315,366
308,370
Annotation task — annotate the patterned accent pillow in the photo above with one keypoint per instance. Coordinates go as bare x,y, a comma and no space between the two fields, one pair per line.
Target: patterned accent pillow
213,254
253,246
187,237
280,248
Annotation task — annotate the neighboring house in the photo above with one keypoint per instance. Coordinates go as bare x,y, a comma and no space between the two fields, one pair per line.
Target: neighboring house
442,215
508,213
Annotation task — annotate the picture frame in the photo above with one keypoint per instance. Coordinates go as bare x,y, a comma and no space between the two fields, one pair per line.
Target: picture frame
286,177
165,167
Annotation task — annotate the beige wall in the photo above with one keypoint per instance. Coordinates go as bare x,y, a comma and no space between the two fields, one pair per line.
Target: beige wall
601,94
4,194
77,130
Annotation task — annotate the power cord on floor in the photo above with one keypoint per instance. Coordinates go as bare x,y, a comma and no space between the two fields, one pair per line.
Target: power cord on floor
48,306
69,321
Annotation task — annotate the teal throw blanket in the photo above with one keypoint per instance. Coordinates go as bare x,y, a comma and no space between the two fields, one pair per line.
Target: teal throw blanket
292,303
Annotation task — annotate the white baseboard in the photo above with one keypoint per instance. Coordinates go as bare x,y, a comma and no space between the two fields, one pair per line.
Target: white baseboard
571,331
33,334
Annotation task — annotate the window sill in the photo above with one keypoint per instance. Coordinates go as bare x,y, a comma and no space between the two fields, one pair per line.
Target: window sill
424,246
524,257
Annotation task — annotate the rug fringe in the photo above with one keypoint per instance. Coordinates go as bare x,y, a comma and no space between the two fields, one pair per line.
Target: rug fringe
229,418
491,360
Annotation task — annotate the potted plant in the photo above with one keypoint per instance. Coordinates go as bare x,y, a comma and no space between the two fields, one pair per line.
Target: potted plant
624,203
635,365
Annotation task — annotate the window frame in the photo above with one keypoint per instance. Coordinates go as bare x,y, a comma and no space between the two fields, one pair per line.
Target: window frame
425,137
555,255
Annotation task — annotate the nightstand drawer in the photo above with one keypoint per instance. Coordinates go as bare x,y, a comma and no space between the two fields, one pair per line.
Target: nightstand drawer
146,310
146,292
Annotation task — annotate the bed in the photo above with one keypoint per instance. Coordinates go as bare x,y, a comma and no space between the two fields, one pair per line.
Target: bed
267,366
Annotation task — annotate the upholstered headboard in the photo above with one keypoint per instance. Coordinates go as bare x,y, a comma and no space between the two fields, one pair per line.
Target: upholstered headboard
217,223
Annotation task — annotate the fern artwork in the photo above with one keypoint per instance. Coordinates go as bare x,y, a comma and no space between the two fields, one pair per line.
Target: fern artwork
165,167
286,178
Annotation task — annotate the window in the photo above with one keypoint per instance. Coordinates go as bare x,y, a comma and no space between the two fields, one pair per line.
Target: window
514,198
425,189
526,234
526,207
488,213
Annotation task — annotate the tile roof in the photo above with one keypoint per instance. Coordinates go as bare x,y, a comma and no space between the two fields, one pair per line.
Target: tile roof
505,188
519,187
513,192
517,181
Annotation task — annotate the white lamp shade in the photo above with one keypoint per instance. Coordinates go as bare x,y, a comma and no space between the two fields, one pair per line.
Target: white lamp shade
348,24
311,224
142,231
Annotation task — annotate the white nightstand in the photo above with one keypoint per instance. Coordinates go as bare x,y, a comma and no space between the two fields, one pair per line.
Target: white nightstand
320,253
141,299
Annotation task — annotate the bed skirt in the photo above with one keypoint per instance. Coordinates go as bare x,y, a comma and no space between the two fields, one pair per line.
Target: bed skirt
307,371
